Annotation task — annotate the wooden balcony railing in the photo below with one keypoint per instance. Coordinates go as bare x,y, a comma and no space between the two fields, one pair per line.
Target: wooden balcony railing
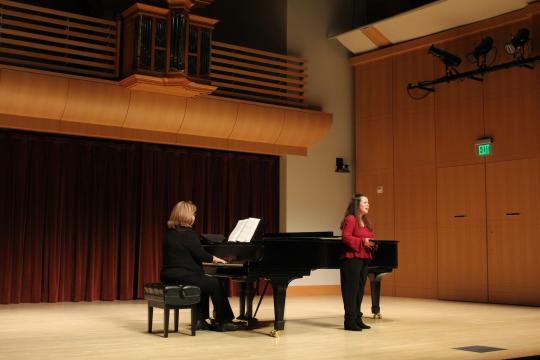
47,39
257,75
41,38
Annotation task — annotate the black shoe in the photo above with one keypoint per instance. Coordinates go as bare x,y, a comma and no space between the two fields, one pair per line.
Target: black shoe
203,325
351,326
227,326
361,324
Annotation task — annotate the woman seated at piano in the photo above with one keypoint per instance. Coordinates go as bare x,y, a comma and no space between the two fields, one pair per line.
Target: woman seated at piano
356,233
183,256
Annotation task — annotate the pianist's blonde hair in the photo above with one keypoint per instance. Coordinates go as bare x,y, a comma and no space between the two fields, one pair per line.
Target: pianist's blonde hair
183,214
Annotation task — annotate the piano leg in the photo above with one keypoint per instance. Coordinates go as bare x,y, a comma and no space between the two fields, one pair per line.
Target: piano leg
375,284
250,294
242,301
279,287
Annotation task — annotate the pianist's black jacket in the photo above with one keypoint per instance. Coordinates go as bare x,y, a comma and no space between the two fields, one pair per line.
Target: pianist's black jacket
182,253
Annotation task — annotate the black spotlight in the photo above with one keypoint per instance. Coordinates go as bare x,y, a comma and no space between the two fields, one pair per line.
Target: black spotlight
515,45
478,55
450,60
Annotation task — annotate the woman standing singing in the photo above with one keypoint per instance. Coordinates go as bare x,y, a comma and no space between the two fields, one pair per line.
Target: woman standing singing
356,233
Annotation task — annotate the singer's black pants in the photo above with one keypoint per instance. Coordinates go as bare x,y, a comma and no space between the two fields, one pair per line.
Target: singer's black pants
353,273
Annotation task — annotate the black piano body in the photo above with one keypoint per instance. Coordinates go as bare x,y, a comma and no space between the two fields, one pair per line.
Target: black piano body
283,257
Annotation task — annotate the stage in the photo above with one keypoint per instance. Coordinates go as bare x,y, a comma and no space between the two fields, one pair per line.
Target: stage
409,329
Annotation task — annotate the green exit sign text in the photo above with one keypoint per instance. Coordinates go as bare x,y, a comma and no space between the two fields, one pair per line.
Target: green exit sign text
483,148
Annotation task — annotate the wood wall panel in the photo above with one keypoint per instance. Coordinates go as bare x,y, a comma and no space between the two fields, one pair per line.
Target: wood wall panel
461,233
32,95
513,122
153,111
408,68
516,81
459,122
414,138
415,229
439,132
96,103
374,91
302,128
253,123
511,104
513,246
381,204
381,213
417,272
37,100
374,144
211,117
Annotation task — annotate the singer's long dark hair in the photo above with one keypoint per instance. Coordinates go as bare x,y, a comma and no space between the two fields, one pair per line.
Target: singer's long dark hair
351,210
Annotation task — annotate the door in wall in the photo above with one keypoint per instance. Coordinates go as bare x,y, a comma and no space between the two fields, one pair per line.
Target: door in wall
461,233
513,243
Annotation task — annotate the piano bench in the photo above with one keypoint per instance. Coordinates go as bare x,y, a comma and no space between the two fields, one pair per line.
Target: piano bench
174,297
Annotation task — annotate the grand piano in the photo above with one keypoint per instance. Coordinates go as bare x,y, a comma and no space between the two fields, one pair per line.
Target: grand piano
283,257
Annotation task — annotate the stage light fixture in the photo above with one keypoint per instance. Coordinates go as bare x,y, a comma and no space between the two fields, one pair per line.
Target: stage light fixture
478,55
450,60
518,41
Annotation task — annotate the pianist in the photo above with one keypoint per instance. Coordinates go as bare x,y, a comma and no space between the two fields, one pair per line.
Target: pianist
182,264
356,232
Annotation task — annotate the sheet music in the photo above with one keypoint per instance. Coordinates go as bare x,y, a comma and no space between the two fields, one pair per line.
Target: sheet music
233,237
244,230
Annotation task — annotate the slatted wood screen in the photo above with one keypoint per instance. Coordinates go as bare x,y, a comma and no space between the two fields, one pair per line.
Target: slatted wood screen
257,75
47,39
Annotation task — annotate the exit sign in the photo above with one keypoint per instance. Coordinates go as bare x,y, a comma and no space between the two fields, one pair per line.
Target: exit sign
484,147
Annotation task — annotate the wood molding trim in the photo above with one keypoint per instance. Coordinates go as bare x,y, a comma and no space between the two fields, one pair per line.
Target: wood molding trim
177,85
139,8
46,102
202,21
376,37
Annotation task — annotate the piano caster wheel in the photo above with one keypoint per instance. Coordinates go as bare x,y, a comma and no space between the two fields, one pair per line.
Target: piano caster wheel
274,333
377,316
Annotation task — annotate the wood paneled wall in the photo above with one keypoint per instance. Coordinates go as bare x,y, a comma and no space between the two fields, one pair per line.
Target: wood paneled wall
468,226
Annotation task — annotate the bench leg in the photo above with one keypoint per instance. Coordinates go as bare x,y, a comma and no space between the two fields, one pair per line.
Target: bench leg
150,318
166,321
176,311
194,319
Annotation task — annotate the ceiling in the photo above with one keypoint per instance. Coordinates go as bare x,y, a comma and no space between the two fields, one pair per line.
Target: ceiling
425,20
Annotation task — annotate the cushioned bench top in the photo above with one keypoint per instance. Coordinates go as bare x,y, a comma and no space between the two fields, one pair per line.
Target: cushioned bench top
172,294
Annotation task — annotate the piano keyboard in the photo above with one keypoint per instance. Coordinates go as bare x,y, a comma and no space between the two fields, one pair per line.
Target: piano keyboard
228,265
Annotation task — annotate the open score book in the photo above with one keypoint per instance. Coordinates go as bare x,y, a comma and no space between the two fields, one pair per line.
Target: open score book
244,230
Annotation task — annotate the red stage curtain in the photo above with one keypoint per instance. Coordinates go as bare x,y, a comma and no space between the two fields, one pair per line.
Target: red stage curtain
82,219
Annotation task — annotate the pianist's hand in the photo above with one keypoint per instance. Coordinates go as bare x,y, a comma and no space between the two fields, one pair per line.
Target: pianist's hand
216,260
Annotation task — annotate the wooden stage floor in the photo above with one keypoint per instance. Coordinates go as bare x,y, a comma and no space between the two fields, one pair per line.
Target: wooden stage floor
409,329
